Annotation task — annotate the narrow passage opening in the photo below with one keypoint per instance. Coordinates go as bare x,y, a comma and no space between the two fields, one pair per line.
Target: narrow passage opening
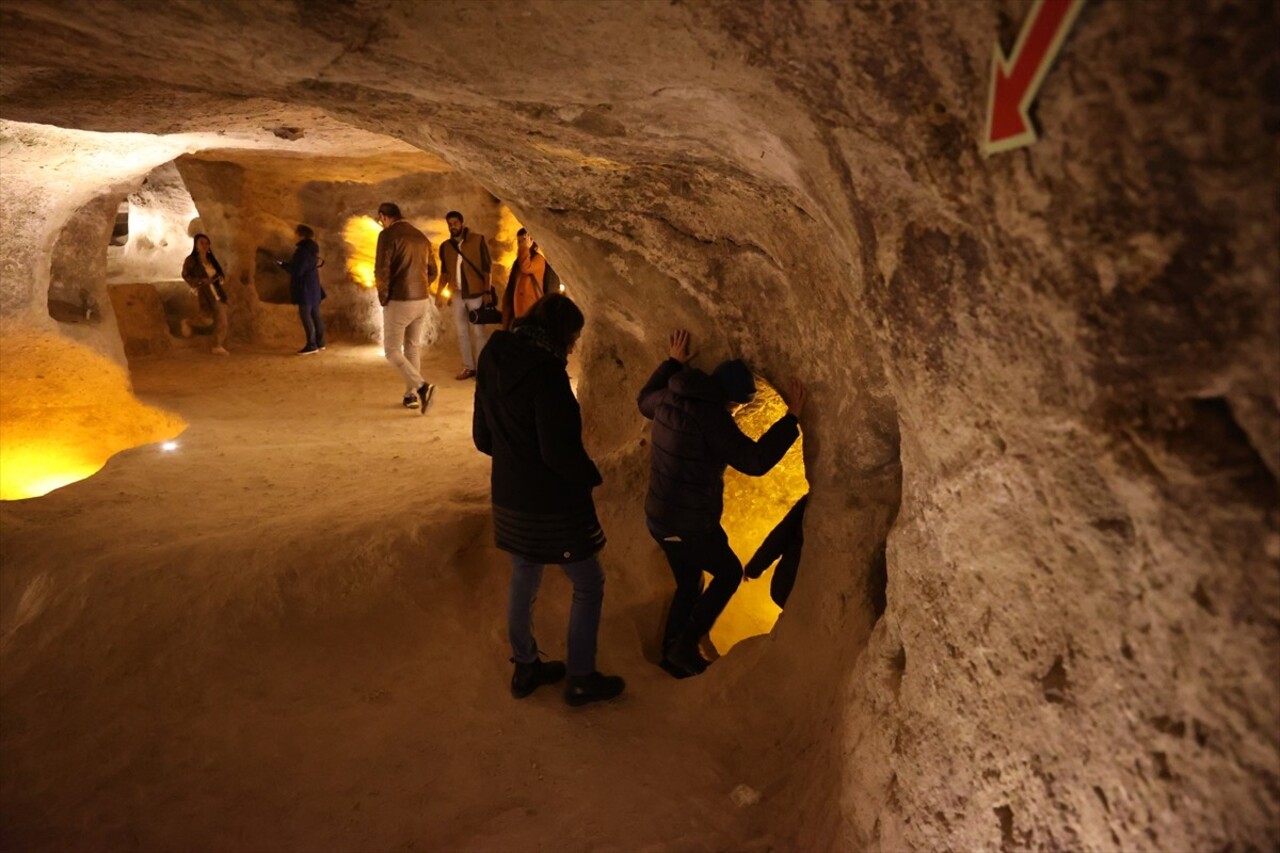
753,507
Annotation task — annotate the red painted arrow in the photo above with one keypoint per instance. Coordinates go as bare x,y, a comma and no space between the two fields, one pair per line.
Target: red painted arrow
1015,81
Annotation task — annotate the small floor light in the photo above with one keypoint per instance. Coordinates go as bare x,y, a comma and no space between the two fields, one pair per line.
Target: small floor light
169,446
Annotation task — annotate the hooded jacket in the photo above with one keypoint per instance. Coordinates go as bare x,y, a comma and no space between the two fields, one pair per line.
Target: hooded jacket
694,439
528,420
304,274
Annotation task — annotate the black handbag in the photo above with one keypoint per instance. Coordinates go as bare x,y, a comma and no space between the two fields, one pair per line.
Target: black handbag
488,313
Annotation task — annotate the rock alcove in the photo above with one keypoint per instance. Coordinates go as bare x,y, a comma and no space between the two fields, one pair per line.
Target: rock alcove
1039,602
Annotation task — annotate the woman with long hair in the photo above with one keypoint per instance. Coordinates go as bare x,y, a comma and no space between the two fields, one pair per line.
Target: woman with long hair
528,420
203,274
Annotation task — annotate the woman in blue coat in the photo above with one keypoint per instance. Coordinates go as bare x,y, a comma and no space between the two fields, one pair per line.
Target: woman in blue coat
304,287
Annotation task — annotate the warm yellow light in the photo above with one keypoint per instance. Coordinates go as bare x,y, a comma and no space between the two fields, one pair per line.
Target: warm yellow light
505,238
35,470
360,233
51,432
445,292
753,506
361,236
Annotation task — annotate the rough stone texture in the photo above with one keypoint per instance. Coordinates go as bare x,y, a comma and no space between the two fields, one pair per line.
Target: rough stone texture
77,277
140,315
162,220
1063,358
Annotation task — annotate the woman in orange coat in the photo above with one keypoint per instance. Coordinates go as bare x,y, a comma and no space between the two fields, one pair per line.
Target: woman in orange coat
524,287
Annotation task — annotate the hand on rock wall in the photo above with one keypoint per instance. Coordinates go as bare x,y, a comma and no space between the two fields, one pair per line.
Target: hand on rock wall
680,346
794,397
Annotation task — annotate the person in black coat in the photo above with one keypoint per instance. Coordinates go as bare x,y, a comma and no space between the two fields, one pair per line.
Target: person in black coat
304,287
784,544
528,420
694,439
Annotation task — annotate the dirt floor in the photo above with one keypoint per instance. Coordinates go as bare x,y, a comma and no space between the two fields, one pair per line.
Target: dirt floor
289,634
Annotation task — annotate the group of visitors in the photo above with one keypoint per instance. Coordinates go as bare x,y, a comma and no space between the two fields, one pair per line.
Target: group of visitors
404,272
527,419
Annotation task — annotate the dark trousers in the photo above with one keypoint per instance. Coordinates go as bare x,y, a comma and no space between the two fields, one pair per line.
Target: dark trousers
694,610
584,615
312,324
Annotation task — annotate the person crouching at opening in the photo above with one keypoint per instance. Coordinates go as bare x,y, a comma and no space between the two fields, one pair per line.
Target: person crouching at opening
203,274
528,420
525,284
304,287
694,439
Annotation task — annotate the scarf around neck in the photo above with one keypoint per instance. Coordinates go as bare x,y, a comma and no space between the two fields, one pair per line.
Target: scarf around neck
540,338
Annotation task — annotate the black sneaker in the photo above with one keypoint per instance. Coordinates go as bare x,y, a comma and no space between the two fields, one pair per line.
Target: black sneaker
585,689
308,350
410,401
425,393
672,670
529,677
686,657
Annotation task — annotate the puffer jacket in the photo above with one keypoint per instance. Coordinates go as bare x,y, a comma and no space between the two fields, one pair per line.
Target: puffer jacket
528,420
694,439
304,274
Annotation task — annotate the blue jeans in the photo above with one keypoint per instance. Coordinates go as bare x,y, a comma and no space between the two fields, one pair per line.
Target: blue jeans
584,617
312,324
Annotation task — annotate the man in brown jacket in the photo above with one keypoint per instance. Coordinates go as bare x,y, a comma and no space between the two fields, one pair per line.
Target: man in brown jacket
404,268
465,268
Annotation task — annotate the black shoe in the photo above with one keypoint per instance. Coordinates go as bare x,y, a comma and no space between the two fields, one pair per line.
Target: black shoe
686,657
425,393
529,677
672,670
585,689
410,401
308,350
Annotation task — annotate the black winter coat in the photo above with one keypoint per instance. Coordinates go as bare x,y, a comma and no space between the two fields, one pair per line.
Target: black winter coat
304,274
528,420
694,439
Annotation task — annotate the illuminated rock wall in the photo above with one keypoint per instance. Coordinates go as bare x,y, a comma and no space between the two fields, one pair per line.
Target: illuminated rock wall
56,428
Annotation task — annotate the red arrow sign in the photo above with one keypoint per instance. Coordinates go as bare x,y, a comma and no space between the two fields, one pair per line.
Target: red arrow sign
1016,80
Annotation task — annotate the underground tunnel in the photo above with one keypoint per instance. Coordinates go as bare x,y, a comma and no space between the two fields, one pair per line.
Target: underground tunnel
249,602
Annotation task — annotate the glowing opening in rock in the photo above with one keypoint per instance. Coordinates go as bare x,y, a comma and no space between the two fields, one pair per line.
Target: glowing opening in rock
505,238
753,506
51,432
360,233
361,236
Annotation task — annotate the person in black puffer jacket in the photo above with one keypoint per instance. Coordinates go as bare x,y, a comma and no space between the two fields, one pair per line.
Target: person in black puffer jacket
694,439
528,420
